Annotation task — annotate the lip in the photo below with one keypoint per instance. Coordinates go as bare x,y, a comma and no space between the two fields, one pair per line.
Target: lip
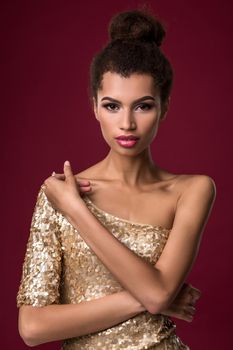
127,143
127,137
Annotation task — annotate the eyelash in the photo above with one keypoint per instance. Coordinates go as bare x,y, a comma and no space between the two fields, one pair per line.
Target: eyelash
149,106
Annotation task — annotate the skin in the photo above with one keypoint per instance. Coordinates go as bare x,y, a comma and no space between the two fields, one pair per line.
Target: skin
124,178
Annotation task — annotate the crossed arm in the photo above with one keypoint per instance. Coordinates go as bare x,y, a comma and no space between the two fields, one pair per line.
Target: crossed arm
157,287
159,284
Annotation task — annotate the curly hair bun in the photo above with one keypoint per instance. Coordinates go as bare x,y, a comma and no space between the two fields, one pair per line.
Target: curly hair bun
136,24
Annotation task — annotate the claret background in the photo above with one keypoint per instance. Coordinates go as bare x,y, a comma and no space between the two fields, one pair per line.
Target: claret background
47,47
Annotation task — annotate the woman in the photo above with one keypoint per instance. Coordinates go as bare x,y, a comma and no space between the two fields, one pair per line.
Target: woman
110,248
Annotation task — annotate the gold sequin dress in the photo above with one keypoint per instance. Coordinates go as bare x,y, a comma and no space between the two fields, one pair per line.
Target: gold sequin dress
59,267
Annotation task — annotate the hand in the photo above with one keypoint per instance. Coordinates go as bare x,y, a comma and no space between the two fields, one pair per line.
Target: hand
84,186
182,306
62,191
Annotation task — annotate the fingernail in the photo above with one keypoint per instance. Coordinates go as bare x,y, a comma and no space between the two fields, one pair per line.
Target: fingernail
67,163
53,173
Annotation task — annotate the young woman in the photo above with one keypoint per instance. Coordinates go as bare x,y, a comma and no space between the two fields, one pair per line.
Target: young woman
110,248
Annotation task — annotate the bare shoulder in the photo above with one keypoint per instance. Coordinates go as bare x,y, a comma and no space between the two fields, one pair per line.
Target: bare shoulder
193,183
194,204
200,190
187,183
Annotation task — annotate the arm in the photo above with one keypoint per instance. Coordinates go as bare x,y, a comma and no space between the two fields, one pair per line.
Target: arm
41,317
183,306
39,325
158,285
51,322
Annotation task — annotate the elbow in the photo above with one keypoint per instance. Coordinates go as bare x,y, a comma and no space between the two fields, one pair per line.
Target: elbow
158,303
28,330
28,334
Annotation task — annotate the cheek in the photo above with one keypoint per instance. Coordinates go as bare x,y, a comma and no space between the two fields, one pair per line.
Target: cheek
106,129
148,127
153,132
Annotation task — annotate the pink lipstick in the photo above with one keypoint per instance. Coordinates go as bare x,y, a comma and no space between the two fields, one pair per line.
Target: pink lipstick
127,141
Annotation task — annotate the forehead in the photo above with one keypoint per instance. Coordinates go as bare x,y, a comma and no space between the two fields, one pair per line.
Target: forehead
136,85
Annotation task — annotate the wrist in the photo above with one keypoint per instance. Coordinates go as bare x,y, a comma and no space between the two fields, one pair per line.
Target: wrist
74,209
136,305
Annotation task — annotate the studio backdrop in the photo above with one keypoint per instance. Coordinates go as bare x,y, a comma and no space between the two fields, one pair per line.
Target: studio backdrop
46,118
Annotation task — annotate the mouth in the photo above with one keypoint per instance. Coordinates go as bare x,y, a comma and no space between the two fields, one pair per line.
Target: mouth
127,141
127,138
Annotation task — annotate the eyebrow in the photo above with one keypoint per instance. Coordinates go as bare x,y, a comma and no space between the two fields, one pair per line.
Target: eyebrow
138,100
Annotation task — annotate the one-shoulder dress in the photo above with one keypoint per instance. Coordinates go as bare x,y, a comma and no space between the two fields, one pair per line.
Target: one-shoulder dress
60,268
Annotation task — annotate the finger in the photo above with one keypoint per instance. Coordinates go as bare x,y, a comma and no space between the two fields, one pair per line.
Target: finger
196,297
85,189
190,287
84,186
188,313
196,293
59,176
84,182
184,314
68,172
191,310
195,289
193,299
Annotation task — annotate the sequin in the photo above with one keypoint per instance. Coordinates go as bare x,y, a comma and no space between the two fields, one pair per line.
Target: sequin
59,267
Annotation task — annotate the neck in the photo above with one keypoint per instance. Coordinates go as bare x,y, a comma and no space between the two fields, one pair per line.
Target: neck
130,171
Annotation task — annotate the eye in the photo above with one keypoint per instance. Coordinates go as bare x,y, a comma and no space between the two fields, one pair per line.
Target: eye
113,107
110,106
145,106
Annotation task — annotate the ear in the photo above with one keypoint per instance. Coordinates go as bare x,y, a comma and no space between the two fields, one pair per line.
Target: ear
164,109
95,108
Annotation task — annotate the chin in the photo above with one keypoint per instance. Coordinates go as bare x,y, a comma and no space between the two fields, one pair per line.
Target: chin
130,152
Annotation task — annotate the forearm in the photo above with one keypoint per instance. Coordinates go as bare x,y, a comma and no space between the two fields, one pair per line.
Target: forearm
121,261
39,325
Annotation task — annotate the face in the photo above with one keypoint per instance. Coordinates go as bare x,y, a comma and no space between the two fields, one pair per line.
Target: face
128,106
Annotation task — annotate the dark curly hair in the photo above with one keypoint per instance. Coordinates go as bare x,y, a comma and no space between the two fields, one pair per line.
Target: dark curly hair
134,47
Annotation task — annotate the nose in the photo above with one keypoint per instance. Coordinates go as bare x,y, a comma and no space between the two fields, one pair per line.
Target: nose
127,121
